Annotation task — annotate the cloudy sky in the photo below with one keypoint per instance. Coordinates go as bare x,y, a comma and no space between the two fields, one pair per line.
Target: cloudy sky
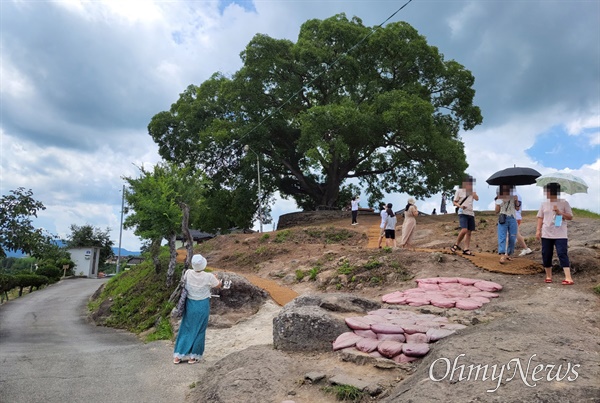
80,81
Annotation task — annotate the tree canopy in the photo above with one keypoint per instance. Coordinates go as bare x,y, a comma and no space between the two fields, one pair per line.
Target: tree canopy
88,235
319,112
16,226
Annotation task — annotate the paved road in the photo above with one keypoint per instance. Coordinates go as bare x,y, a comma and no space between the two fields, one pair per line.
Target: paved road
50,353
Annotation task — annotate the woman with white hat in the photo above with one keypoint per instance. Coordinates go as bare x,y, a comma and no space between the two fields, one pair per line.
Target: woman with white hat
192,331
410,223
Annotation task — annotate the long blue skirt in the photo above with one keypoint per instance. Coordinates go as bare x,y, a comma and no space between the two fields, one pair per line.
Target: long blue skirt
192,331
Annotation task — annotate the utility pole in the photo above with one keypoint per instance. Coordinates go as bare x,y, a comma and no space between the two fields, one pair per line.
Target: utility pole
121,230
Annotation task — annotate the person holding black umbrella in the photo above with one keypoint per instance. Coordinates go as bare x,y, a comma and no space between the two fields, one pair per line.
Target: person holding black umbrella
507,204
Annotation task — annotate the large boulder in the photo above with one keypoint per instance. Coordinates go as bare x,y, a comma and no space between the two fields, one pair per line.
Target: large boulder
313,322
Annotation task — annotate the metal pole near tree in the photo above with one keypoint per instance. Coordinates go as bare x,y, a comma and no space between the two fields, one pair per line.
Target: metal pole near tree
121,229
260,214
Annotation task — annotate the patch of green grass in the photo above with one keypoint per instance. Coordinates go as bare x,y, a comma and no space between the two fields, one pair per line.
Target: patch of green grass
345,392
300,274
264,237
312,273
376,280
282,236
345,268
372,264
387,249
597,289
162,332
577,212
192,385
261,250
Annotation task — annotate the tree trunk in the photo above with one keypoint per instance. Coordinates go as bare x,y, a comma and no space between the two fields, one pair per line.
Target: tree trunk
185,229
172,260
154,252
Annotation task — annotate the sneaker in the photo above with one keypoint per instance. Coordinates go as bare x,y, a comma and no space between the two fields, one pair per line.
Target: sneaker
525,252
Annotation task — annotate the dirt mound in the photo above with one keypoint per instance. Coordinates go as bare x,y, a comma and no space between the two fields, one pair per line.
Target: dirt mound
554,324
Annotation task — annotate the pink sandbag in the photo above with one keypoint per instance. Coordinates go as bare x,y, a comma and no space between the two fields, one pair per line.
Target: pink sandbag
428,324
399,337
386,328
467,281
375,354
455,294
402,322
485,294
416,338
344,340
445,280
415,350
392,294
369,334
442,302
434,335
370,319
389,348
419,302
412,291
404,359
399,299
451,287
429,287
382,312
452,326
483,300
468,304
357,323
470,289
367,345
412,329
488,286
417,298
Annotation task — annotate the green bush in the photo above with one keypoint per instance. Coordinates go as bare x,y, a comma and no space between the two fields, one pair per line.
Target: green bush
7,283
30,280
345,392
300,274
53,273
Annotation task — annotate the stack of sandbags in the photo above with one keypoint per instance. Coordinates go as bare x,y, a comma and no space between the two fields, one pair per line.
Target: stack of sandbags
446,292
402,336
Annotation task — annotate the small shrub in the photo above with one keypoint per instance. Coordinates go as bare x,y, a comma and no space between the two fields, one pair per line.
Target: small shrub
53,273
372,264
300,274
387,249
162,332
597,289
312,273
345,268
345,392
375,280
265,237
282,236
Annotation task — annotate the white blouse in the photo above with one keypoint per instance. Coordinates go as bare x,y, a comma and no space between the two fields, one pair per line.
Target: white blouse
198,284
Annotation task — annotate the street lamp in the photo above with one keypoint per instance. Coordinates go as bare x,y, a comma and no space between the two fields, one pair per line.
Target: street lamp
260,219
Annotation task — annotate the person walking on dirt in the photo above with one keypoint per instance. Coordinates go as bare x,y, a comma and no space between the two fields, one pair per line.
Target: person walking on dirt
390,227
409,224
520,239
552,230
192,331
354,208
506,205
383,215
463,201
443,205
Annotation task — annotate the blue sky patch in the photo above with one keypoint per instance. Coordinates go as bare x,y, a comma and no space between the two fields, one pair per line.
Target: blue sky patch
247,5
556,149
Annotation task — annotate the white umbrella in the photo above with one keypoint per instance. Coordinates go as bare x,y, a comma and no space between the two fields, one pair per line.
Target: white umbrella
569,184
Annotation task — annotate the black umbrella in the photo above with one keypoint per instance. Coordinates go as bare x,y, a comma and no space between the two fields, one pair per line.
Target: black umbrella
514,176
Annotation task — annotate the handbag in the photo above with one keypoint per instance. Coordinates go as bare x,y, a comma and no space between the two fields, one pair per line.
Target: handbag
502,216
180,307
461,202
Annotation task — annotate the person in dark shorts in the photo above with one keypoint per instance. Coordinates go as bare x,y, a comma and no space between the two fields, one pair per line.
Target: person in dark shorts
390,227
463,200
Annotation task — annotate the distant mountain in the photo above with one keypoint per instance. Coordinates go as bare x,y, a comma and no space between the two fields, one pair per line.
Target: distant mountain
125,252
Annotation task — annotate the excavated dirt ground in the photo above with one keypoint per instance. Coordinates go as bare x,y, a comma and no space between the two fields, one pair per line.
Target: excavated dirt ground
554,324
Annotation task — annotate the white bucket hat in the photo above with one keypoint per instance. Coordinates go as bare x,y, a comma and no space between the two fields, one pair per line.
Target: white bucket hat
198,263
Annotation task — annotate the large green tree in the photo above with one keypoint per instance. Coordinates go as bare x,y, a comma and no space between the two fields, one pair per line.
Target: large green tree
321,111
17,232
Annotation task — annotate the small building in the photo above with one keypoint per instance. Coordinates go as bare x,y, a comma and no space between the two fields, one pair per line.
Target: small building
86,259
197,237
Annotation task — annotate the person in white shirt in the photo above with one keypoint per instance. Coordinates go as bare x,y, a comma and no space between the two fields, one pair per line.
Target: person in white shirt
390,227
383,215
354,207
192,331
463,201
